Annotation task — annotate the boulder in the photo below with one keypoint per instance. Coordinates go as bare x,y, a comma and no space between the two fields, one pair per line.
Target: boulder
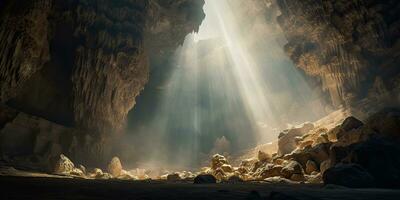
291,168
271,171
380,157
64,165
217,161
287,139
263,157
351,123
311,167
174,177
205,179
115,167
349,175
318,154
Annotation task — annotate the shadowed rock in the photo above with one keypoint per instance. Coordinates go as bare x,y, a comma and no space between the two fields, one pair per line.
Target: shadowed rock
205,179
349,175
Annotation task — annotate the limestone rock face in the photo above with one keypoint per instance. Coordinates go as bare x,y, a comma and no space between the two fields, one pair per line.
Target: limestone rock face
348,45
24,45
104,47
82,63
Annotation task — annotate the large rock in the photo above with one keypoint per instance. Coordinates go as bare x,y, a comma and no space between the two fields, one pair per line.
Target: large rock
263,157
349,175
287,139
64,165
380,157
115,167
291,168
174,177
271,171
318,154
218,161
205,179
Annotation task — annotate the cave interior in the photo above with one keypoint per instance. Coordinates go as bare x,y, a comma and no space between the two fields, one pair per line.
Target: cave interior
259,99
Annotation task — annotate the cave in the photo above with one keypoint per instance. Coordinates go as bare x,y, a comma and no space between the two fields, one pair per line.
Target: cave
200,99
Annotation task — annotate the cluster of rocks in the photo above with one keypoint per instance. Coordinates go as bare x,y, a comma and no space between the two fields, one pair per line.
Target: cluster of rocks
352,154
64,166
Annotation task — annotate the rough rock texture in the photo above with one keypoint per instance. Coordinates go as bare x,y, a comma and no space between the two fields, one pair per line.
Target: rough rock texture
287,139
64,165
115,167
81,64
349,175
103,44
24,45
350,46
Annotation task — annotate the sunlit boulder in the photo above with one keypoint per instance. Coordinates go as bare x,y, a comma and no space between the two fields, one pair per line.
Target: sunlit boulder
64,165
115,167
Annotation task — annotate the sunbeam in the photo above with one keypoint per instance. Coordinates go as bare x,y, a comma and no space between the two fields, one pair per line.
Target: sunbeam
226,85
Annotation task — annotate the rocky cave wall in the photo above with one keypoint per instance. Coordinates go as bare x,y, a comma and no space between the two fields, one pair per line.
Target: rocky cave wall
81,64
351,47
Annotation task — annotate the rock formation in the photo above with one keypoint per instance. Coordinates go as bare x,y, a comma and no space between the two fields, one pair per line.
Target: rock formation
81,64
349,46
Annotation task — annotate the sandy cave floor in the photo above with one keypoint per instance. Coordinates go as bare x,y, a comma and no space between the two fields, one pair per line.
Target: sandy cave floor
73,188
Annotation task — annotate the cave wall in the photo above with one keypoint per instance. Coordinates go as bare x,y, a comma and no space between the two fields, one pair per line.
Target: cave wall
87,60
350,46
79,65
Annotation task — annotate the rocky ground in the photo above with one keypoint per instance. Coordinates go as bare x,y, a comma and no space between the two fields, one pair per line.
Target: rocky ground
56,188
312,161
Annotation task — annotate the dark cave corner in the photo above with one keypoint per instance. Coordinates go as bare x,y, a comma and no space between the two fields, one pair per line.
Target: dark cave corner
77,77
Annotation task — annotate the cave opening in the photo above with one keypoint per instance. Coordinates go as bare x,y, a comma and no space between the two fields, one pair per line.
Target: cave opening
228,88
